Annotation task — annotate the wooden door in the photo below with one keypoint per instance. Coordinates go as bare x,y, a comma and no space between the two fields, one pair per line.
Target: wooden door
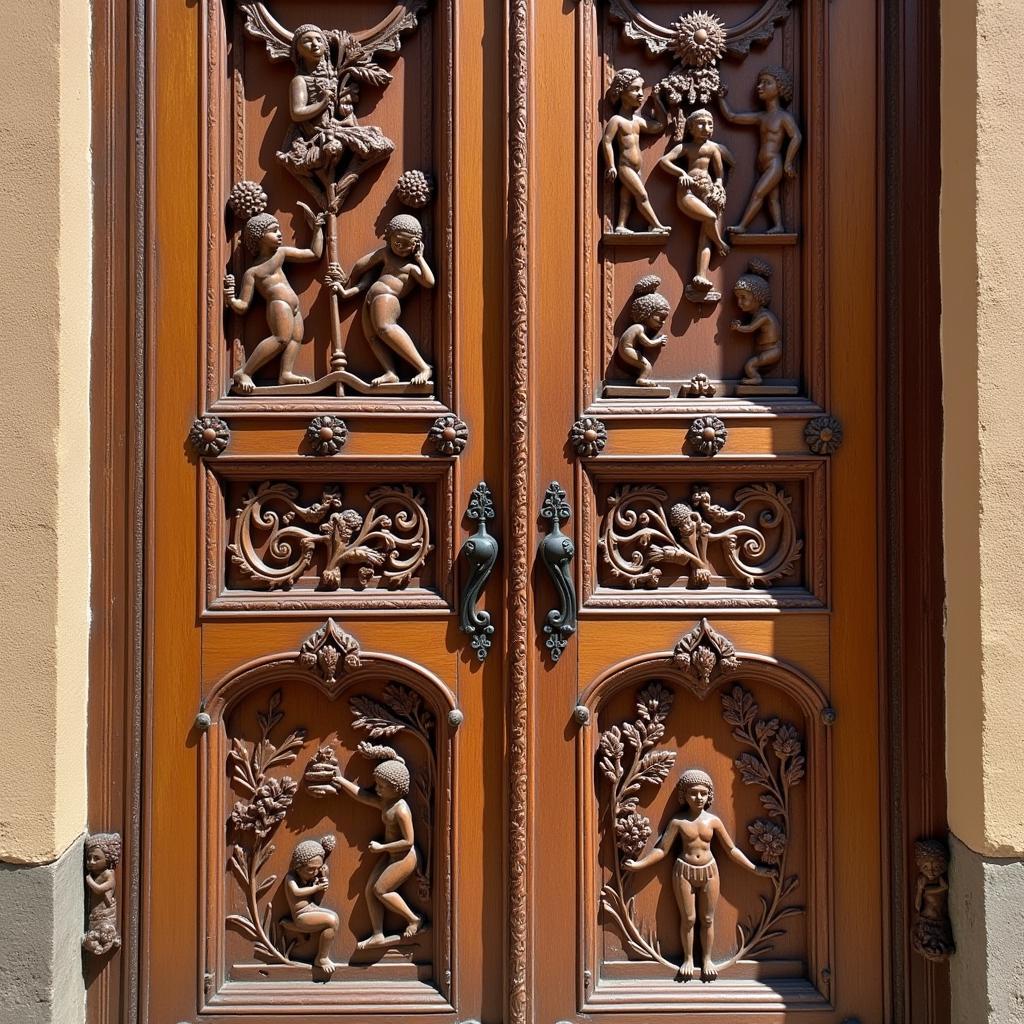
428,569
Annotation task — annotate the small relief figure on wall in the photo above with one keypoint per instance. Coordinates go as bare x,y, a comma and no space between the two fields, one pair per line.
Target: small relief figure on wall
648,311
304,886
753,295
621,147
400,857
932,932
387,275
777,129
695,880
102,853
700,195
262,237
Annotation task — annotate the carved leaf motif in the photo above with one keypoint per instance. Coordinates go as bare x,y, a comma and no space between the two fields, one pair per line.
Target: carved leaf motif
374,717
655,766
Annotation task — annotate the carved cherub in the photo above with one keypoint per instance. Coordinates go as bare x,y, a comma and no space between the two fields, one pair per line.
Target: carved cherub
624,130
304,887
262,237
695,881
102,853
400,266
775,126
649,310
400,860
753,295
700,194
932,935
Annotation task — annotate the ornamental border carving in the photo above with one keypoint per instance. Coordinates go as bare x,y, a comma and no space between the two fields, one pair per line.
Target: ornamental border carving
355,472
288,668
648,995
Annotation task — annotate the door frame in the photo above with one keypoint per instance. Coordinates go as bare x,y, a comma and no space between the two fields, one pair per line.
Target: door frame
912,711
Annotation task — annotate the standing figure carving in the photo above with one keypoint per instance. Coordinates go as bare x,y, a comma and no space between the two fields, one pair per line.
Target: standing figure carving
400,857
932,932
695,881
387,275
304,887
262,237
622,133
775,126
700,194
102,853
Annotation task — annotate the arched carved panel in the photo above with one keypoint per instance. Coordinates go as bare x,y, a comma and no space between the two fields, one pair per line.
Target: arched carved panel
327,832
754,731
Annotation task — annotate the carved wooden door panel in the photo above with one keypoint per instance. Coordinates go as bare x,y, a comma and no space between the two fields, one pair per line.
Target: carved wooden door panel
512,614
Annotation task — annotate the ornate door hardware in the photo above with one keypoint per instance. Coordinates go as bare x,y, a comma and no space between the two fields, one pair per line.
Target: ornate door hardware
556,551
480,552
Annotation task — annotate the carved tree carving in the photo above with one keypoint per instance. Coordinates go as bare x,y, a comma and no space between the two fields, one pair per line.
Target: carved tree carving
391,542
639,534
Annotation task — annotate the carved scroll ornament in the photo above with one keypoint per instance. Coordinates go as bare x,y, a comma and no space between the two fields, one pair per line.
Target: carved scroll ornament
641,533
275,537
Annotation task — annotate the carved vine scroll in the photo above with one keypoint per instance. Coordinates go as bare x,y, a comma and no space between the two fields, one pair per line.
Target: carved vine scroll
275,537
641,533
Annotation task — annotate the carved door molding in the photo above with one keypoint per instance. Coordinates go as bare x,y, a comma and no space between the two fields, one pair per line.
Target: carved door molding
320,564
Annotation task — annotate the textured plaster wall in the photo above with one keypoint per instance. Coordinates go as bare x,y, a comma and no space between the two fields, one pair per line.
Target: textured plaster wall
45,316
982,238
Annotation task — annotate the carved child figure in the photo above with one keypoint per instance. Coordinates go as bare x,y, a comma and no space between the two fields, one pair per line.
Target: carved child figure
387,275
932,935
304,886
775,125
102,852
262,236
700,194
695,875
396,867
753,296
649,310
624,130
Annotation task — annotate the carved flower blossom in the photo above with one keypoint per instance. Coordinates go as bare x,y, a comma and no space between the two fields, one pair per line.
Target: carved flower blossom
327,435
449,435
588,436
707,435
699,39
415,189
768,839
209,435
824,435
631,834
787,741
267,808
699,386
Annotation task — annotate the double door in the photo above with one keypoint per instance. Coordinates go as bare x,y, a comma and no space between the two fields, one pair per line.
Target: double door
493,674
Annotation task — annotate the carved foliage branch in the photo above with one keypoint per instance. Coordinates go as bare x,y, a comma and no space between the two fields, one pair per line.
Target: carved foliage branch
275,537
641,533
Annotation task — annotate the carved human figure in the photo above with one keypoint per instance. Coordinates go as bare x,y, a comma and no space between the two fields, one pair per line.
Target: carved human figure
102,853
777,128
400,857
649,310
622,133
695,881
700,194
304,886
753,296
387,275
262,237
932,935
325,136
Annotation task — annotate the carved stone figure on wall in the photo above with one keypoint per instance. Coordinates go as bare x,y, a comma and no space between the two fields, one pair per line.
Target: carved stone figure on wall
932,933
648,311
102,853
695,881
700,195
262,237
622,133
400,856
753,296
304,886
775,126
387,275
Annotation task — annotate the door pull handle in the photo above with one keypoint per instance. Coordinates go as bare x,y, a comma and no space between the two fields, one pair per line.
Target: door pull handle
480,552
557,551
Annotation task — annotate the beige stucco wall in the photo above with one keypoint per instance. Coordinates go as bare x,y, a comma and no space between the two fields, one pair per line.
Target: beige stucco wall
982,352
45,314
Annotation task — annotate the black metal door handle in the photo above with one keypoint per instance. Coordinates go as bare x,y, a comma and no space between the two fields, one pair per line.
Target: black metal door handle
556,551
481,552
